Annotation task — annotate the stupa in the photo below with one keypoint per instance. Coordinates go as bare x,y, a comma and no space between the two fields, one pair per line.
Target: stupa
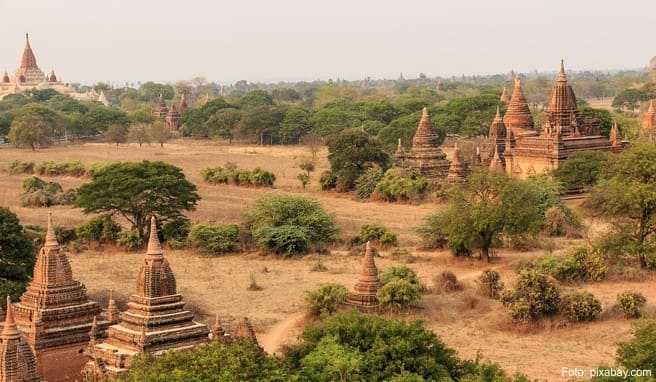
504,99
172,119
459,169
29,71
155,321
244,331
649,119
518,117
55,313
160,111
17,361
425,156
364,295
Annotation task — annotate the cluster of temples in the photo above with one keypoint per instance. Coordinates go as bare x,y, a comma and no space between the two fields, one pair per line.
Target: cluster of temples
56,333
170,115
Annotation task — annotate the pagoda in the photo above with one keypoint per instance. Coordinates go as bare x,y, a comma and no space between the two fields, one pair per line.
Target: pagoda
504,99
17,361
425,156
649,120
564,133
518,117
172,119
458,169
155,321
29,72
55,313
364,295
244,331
160,111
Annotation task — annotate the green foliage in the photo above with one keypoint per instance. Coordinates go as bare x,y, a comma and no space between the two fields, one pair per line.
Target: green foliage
447,281
231,174
235,361
532,297
137,191
176,230
581,170
39,193
325,299
350,153
129,240
34,126
21,167
223,123
375,232
101,229
16,253
639,353
117,134
366,183
51,168
490,284
399,184
602,115
580,264
215,239
290,224
296,123
398,294
631,303
401,272
580,307
14,289
336,348
328,181
256,98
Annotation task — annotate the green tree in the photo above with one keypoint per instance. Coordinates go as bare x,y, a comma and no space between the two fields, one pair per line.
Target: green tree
139,133
487,206
626,194
295,124
100,118
581,170
256,98
262,122
159,132
150,91
332,361
34,126
117,134
351,152
223,123
640,351
16,255
137,191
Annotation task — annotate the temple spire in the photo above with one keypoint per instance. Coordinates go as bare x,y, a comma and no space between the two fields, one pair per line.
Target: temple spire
29,59
51,238
562,77
9,331
154,246
218,333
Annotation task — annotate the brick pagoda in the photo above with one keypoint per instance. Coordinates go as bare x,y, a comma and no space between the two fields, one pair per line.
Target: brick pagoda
364,295
160,111
17,361
55,314
649,120
172,119
518,117
29,71
459,169
425,156
504,99
155,321
244,330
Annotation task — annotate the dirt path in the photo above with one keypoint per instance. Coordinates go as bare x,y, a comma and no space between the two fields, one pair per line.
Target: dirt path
274,338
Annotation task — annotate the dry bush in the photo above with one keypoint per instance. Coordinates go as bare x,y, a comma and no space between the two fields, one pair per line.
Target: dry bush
447,282
318,267
254,286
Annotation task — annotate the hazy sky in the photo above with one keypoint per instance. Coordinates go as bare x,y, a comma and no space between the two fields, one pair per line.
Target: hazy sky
272,40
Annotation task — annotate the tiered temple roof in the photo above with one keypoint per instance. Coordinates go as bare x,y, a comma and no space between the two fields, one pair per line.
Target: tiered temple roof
518,117
364,295
504,99
173,119
160,110
29,71
458,170
17,361
155,321
425,156
649,119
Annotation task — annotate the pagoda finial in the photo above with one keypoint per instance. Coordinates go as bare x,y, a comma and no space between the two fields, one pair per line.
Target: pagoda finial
154,246
9,330
112,310
424,113
561,75
51,238
498,116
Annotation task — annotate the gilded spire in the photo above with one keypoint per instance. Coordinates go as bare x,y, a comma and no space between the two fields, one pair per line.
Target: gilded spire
51,238
504,99
649,118
154,246
497,128
615,137
561,75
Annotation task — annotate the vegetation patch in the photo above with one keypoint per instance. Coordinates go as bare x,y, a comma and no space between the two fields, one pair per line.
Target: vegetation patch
325,299
214,239
580,307
231,174
399,184
631,303
532,297
39,193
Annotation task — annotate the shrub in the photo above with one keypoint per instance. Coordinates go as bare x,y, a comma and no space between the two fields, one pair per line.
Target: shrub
398,294
366,183
21,167
51,168
129,240
561,221
533,296
290,224
639,353
259,177
579,265
214,239
447,282
325,299
328,181
490,284
232,174
176,230
400,272
631,303
39,193
375,232
101,229
581,170
399,184
580,307
431,233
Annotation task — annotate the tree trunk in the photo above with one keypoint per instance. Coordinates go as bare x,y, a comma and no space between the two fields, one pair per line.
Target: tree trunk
485,253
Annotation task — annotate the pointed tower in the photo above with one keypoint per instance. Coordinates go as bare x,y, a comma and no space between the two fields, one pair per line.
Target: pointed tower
102,98
364,295
55,313
112,313
17,361
218,334
496,164
518,115
399,154
459,170
173,119
52,77
504,99
649,119
29,71
184,105
426,156
244,331
616,138
160,110
156,320
562,112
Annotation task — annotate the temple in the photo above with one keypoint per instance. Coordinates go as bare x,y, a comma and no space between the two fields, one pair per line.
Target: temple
425,156
154,322
244,331
171,116
565,132
458,169
504,99
649,120
17,361
55,314
29,76
364,295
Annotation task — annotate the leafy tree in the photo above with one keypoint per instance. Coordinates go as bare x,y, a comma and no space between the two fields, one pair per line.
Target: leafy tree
334,118
295,124
117,134
159,133
351,152
262,122
626,194
150,91
604,116
195,119
581,170
532,297
100,118
16,251
34,126
639,353
139,133
137,191
256,98
487,206
223,123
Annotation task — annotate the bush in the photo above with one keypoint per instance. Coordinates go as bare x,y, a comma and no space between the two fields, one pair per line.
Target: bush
51,168
39,193
561,221
579,265
21,167
214,239
490,284
366,183
398,294
328,181
431,233
580,307
176,230
375,232
102,229
447,282
581,170
399,184
400,272
533,296
129,240
639,353
290,225
234,175
631,303
326,299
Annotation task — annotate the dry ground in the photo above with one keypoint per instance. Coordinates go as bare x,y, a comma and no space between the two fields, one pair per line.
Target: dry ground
465,321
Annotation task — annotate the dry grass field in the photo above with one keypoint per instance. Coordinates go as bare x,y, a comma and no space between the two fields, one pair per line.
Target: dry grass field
464,320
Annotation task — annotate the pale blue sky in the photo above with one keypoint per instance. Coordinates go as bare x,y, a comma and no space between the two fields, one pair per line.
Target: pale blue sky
271,40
